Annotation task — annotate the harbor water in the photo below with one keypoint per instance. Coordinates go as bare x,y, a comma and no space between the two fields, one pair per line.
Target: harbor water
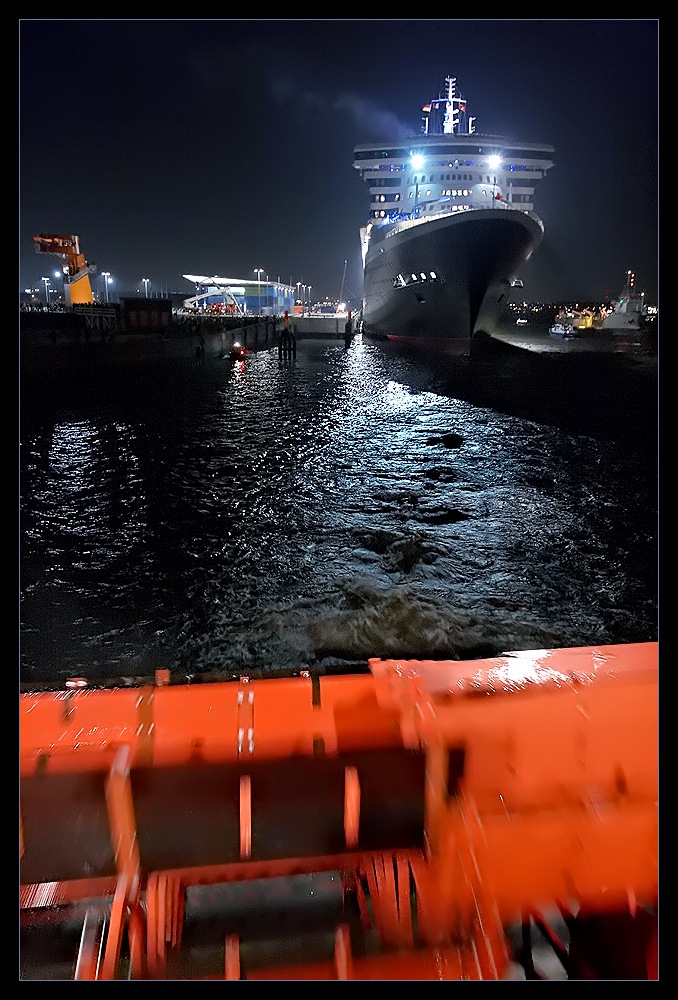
267,515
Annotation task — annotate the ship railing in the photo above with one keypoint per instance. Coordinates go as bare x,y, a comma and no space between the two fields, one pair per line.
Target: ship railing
434,216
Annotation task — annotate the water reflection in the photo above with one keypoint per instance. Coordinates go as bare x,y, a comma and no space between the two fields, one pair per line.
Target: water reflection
268,514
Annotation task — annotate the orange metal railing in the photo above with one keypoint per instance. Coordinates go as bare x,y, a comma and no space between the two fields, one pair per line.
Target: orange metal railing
390,825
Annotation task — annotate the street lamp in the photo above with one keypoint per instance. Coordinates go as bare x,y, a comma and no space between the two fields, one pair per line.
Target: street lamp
303,299
146,282
106,275
259,271
60,274
46,280
309,297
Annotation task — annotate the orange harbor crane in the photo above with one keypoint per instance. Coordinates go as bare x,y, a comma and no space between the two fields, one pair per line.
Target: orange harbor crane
76,270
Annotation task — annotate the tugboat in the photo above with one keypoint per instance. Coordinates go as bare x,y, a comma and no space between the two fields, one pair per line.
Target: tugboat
629,311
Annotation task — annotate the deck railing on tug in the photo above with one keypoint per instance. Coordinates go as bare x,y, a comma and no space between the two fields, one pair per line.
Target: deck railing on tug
410,823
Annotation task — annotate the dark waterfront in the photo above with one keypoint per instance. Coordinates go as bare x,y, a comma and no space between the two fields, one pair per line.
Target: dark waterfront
269,515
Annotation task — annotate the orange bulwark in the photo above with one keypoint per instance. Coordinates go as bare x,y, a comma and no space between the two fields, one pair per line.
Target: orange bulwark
425,820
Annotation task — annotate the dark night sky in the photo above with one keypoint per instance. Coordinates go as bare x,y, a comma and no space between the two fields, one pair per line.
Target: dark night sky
219,146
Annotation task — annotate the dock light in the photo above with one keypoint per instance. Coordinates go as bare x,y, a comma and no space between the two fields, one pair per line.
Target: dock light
146,282
417,161
494,162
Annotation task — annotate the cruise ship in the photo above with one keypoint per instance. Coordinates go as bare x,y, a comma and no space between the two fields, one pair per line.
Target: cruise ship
451,224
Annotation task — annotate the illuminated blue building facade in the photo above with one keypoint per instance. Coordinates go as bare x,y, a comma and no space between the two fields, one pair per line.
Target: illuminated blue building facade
239,296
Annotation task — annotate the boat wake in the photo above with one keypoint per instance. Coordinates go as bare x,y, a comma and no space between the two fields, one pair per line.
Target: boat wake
355,622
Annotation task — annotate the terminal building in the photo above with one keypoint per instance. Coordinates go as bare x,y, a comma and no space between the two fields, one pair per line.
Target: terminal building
239,296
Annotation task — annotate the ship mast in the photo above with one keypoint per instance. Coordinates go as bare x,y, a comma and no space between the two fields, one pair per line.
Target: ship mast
447,115
451,121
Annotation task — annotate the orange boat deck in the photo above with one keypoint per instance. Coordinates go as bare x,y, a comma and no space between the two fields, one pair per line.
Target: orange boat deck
401,824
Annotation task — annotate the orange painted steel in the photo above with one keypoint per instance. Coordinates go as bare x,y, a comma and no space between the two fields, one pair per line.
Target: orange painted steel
76,270
387,825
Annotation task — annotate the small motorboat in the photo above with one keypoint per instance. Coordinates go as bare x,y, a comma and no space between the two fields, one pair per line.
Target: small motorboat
565,331
238,351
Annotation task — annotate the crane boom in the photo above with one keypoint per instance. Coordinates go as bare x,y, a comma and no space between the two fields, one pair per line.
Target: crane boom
75,267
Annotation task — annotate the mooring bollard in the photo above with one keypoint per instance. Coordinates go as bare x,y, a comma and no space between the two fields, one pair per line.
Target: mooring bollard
287,344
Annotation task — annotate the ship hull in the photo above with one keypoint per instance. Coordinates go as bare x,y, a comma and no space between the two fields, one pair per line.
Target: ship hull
472,256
